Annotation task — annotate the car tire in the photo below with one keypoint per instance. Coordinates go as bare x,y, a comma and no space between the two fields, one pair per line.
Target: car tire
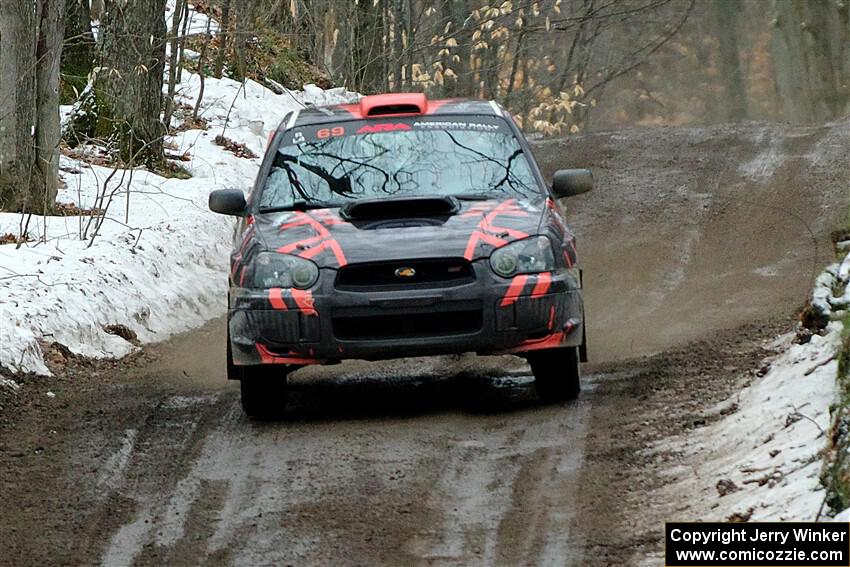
262,387
557,373
263,391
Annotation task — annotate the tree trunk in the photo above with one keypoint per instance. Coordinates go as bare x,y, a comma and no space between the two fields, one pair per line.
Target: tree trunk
368,48
78,51
222,39
515,60
243,18
410,39
457,13
172,63
808,55
182,42
127,94
735,103
397,45
47,132
31,39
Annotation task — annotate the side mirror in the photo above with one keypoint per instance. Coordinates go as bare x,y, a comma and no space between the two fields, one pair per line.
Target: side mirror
569,182
228,202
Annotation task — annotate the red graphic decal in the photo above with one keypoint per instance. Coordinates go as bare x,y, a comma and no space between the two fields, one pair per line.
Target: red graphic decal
300,245
304,300
549,341
514,290
544,280
383,127
268,357
551,317
489,233
326,217
236,262
276,299
315,244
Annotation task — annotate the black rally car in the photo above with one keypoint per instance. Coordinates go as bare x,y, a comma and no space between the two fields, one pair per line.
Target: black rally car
401,226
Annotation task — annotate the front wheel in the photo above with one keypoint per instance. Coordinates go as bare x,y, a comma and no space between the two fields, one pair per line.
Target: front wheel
262,387
263,390
557,373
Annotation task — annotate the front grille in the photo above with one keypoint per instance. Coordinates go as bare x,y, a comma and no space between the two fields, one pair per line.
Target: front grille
407,326
405,274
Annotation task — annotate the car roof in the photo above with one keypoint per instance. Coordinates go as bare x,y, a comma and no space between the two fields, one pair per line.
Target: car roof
378,107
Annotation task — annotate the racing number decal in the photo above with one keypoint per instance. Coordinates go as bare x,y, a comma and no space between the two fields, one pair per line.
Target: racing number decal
330,132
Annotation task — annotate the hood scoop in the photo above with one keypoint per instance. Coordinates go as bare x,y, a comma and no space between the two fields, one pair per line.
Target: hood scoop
400,208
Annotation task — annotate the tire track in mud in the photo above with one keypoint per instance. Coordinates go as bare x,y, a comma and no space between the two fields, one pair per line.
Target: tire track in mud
311,502
170,432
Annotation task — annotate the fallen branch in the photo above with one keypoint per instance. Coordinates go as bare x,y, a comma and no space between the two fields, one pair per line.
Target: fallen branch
819,364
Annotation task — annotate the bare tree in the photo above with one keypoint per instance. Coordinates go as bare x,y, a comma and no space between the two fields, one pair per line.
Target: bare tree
725,19
31,33
222,39
79,49
811,49
173,61
125,100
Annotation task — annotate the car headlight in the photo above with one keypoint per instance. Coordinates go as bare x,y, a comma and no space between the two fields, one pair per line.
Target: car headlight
527,256
282,270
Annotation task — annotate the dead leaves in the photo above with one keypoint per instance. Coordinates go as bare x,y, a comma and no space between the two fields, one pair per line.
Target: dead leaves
237,149
72,210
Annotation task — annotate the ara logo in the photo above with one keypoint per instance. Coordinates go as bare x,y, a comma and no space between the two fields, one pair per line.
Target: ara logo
405,272
384,127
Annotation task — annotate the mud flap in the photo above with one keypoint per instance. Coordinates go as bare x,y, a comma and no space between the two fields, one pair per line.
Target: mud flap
582,349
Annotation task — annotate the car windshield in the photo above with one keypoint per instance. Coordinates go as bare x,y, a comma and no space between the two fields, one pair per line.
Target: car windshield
472,156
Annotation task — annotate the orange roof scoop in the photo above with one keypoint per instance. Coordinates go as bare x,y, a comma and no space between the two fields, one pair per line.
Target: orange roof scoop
393,104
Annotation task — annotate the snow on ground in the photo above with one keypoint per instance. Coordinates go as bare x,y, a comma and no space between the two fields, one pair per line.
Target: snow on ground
196,24
763,459
767,454
160,271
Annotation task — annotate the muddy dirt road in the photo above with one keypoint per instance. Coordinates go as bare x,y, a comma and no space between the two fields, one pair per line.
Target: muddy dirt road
698,245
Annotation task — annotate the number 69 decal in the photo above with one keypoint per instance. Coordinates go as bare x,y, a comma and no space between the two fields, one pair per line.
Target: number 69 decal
328,132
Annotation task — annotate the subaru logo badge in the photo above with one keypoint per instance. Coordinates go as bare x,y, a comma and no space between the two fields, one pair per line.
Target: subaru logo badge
405,272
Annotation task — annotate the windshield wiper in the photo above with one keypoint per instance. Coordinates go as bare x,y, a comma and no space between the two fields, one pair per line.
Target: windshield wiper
300,206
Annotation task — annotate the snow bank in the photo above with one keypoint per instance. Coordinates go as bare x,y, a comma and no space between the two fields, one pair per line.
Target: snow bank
161,270
763,461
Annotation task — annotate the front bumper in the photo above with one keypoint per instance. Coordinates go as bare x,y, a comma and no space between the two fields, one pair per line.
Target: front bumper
490,315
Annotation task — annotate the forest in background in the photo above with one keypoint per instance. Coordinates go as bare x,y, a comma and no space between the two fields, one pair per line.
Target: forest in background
561,66
569,65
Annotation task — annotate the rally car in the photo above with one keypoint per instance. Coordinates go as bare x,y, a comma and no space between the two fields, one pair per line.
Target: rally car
401,226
